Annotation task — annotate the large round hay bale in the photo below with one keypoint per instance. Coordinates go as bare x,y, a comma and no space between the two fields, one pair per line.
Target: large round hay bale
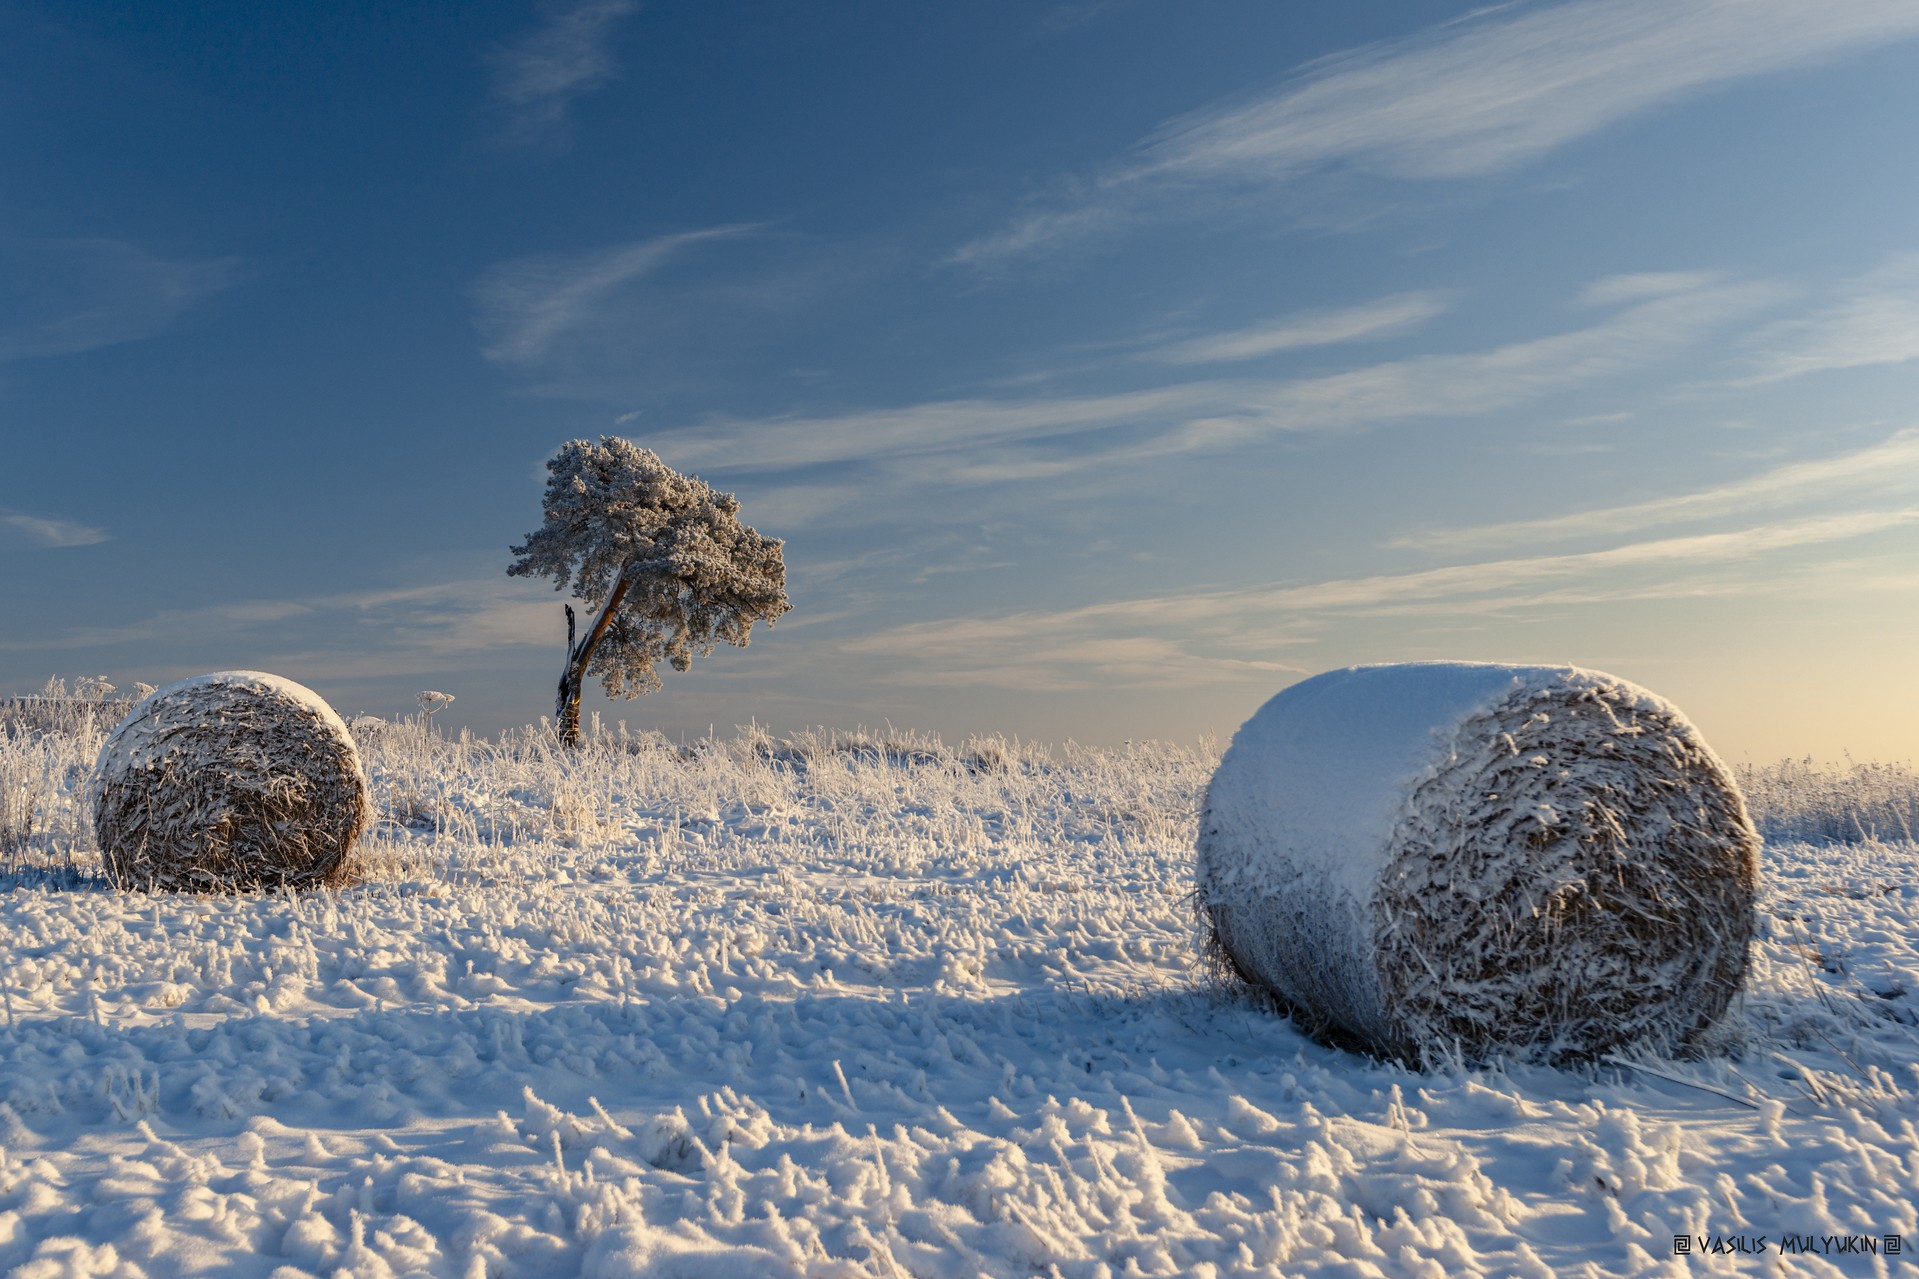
1452,860
237,780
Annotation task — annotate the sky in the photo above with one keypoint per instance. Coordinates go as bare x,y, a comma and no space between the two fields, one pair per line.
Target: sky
1106,365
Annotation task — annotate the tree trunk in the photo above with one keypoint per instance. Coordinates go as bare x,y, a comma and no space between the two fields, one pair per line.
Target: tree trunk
566,710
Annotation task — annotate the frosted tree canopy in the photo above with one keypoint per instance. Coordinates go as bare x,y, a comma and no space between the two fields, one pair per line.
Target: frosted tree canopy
662,556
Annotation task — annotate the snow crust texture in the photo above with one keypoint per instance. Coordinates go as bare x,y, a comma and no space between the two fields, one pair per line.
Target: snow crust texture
237,780
1447,859
833,1009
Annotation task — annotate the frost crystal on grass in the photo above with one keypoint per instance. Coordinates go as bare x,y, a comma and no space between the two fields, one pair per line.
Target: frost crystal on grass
237,780
1444,859
857,1003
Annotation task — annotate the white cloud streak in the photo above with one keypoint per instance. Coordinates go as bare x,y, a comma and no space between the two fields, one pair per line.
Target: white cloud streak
1874,320
1890,466
1216,413
524,307
1473,98
1164,640
1688,552
1615,290
53,532
537,78
1387,317
443,621
64,297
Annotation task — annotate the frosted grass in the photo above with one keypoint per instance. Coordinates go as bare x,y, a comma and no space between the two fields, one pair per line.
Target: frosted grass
1849,803
850,1004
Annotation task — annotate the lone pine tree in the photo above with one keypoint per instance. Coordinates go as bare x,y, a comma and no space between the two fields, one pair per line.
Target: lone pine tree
662,556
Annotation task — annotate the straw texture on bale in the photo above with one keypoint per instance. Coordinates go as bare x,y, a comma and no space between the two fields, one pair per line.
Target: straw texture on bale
1450,860
232,781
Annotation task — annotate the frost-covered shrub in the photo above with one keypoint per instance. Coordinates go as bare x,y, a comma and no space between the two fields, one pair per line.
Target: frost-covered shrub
44,827
56,709
367,728
1459,859
17,812
237,780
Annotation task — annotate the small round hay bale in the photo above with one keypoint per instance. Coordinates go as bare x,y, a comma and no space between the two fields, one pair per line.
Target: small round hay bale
226,782
1452,860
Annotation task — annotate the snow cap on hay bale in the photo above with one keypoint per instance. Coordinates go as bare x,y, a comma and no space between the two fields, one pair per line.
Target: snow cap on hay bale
236,780
1444,859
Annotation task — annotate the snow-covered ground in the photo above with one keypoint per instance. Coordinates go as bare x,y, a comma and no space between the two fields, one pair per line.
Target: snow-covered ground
851,1007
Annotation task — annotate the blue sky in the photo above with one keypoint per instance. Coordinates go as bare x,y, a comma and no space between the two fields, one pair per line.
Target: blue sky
1105,366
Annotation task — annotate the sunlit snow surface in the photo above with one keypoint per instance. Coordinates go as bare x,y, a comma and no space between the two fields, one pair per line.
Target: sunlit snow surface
807,1010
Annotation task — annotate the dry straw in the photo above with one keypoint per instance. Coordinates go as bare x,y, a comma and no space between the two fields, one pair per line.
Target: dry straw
232,781
1446,861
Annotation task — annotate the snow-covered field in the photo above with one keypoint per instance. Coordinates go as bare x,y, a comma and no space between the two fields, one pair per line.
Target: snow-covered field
849,1006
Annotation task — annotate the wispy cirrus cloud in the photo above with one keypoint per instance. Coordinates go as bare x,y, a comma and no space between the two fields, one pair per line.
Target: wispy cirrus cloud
1215,413
1889,466
1388,317
411,626
64,297
1873,319
537,78
1462,100
1078,663
1202,637
524,307
1637,286
1698,551
52,532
